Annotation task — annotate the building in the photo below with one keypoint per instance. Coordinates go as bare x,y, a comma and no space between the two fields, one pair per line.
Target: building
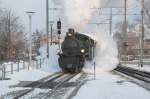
129,47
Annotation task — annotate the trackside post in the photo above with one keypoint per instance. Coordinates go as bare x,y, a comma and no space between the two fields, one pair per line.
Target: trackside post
94,70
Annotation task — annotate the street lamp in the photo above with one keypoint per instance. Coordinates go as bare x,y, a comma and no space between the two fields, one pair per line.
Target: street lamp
47,26
30,37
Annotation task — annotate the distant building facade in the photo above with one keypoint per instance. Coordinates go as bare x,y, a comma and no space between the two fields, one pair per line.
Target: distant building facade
130,46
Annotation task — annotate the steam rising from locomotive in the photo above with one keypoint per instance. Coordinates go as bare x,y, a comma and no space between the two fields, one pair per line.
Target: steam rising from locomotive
78,14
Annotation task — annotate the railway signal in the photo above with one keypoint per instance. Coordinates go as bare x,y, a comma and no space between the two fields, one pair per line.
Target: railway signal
59,27
59,24
59,31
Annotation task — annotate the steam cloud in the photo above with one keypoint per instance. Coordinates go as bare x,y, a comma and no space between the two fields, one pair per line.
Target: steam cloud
78,14
106,53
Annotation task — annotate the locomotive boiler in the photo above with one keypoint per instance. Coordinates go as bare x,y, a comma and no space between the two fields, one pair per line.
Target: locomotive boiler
76,48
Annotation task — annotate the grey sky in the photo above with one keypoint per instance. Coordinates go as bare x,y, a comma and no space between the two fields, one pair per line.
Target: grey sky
21,6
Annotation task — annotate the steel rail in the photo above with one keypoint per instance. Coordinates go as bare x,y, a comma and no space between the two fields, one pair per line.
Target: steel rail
53,90
41,82
140,75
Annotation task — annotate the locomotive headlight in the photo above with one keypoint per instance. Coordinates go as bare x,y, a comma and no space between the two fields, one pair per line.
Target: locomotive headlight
82,50
69,34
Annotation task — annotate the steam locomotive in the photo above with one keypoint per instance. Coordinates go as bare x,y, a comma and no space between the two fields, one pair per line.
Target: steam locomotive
76,48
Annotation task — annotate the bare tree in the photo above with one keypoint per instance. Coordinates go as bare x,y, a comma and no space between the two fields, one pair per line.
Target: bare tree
147,13
11,35
37,36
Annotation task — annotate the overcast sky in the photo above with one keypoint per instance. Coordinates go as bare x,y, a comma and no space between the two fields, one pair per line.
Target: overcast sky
21,6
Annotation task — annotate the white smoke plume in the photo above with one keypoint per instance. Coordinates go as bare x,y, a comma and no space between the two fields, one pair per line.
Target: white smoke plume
78,12
106,53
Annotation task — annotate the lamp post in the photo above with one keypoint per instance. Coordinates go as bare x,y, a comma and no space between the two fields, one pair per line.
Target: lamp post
47,26
30,38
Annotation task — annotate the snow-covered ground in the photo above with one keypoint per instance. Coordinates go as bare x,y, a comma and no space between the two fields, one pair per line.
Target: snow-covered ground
49,66
106,85
31,75
135,64
144,68
109,86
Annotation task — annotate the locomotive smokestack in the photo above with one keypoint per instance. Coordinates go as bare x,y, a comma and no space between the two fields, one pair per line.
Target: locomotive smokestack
71,30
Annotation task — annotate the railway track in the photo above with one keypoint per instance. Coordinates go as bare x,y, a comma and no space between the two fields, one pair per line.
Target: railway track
52,83
140,75
60,82
37,84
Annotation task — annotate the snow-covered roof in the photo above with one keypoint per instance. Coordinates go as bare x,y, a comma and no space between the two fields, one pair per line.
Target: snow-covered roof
90,36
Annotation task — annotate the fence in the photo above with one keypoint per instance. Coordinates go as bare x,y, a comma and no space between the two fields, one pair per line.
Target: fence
133,57
12,67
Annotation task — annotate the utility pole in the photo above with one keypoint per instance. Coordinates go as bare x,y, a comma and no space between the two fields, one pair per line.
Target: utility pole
9,34
51,33
47,26
30,38
125,28
111,21
125,17
142,35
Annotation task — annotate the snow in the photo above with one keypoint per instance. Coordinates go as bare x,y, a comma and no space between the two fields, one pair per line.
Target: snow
75,78
31,75
51,64
108,86
36,93
14,65
136,66
4,86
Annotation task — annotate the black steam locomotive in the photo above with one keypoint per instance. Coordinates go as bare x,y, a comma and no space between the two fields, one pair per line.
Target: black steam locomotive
76,48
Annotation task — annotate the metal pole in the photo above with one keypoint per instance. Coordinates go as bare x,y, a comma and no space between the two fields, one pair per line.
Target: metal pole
111,21
30,38
142,35
59,45
125,18
94,71
30,41
47,26
51,34
9,35
125,27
